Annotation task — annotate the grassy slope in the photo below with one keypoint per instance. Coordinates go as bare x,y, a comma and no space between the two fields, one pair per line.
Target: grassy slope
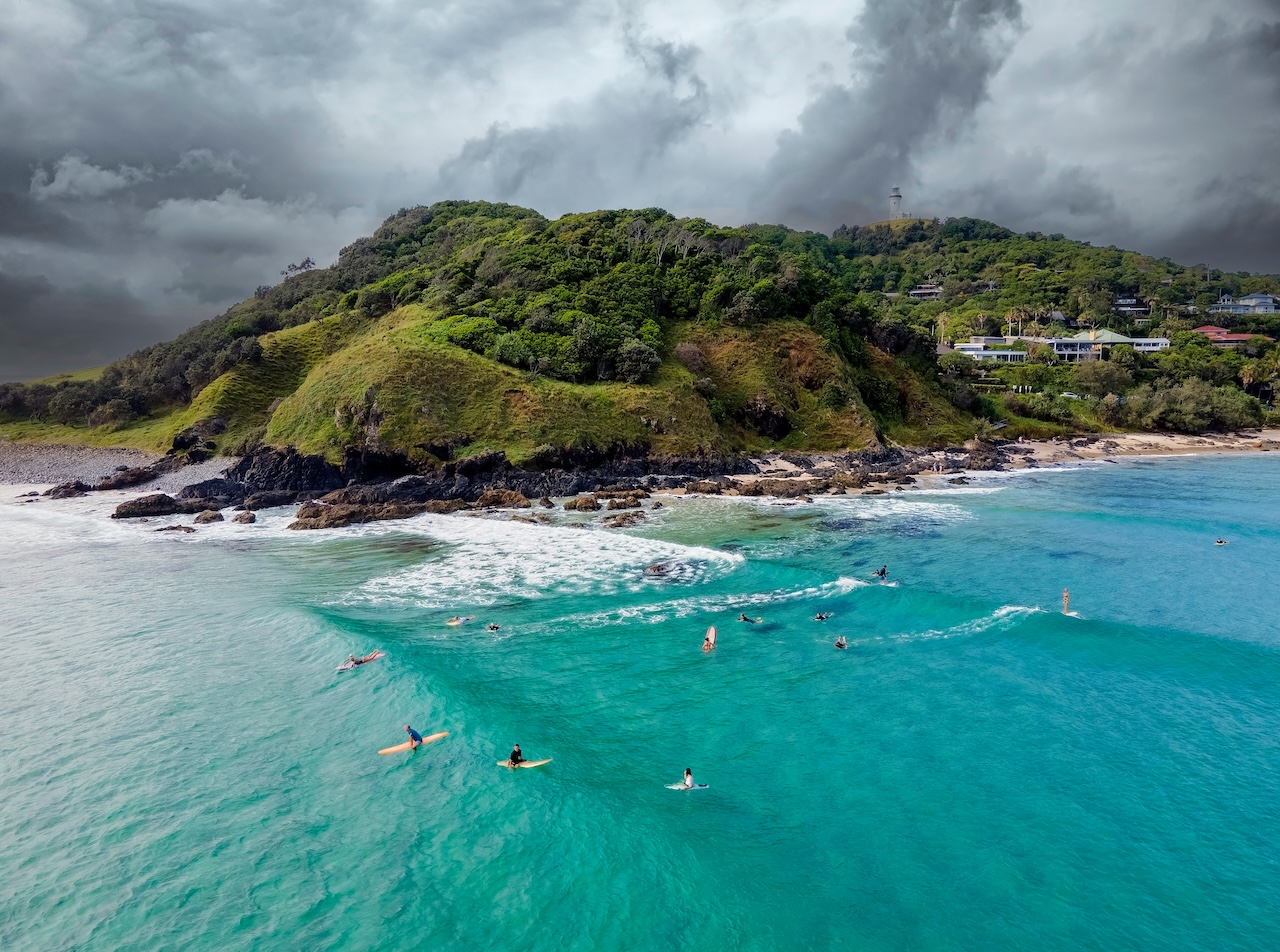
423,393
242,396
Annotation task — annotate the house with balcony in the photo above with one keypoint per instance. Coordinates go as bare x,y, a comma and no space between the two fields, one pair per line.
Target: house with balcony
1245,306
1221,337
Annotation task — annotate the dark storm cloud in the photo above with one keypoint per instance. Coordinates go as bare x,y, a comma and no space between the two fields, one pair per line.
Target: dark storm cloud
922,67
158,160
46,329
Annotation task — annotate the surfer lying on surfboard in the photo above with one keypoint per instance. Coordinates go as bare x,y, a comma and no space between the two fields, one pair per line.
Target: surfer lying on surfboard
458,619
750,621
841,643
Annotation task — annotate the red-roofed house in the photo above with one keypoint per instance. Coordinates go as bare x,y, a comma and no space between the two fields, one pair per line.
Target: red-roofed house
1225,339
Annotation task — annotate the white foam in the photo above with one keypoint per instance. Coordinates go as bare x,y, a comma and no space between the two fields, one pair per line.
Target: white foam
491,560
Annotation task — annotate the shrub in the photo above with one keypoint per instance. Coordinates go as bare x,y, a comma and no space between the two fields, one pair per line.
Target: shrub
636,361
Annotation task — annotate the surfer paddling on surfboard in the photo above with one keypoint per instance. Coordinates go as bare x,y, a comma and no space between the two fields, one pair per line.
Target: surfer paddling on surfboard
742,616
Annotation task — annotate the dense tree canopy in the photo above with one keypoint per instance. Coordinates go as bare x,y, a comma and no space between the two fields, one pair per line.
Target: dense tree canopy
590,297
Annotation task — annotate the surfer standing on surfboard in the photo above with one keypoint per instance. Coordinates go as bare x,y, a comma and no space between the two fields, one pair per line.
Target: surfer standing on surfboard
415,739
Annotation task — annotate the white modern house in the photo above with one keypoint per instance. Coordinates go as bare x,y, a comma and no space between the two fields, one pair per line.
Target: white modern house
1249,304
1087,345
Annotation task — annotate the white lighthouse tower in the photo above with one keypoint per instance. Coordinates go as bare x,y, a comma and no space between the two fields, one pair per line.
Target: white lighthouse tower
895,204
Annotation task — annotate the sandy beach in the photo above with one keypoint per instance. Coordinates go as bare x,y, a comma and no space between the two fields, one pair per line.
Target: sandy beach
1114,445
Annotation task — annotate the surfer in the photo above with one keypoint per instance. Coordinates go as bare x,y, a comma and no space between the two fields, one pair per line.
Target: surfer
516,758
458,619
657,568
688,777
353,660
415,739
709,640
822,616
750,621
883,573
492,627
1221,542
841,643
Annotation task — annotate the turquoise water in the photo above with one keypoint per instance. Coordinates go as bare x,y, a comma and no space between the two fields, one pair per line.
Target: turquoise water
182,768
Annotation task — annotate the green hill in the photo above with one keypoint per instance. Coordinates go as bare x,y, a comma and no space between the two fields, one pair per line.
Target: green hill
470,326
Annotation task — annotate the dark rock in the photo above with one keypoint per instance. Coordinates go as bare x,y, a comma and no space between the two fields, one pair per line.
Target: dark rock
270,499
66,490
502,499
623,519
175,529
221,488
271,469
958,481
122,468
624,502
873,492
767,419
245,518
136,475
161,504
317,515
582,504
208,515
546,503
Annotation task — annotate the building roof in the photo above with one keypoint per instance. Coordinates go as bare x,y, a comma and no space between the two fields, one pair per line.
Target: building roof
1211,329
1103,336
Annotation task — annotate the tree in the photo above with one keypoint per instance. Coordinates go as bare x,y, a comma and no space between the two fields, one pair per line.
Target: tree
1042,354
957,365
1097,378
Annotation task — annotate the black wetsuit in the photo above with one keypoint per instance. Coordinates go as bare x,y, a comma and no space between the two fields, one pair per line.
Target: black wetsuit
516,757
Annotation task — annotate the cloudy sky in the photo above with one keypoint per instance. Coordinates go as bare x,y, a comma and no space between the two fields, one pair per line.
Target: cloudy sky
161,158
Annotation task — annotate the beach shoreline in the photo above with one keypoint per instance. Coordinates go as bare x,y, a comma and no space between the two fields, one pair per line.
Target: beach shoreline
29,469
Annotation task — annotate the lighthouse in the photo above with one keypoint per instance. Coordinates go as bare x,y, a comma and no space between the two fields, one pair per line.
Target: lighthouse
895,204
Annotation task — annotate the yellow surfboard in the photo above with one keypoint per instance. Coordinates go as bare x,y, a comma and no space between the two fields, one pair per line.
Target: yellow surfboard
524,763
409,744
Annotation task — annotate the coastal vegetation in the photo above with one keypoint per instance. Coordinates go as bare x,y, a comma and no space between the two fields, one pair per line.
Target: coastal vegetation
468,326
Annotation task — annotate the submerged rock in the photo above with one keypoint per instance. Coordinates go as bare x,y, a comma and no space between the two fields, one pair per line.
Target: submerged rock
175,529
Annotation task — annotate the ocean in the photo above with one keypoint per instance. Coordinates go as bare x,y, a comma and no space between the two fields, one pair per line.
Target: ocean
181,767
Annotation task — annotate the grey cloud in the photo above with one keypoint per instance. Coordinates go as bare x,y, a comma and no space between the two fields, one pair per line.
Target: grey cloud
920,66
73,177
594,152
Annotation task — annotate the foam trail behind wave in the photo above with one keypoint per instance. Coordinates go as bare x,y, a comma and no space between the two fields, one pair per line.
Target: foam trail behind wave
1005,617
659,612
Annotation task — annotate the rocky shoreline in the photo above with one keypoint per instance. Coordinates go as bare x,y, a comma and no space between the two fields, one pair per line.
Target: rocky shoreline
367,488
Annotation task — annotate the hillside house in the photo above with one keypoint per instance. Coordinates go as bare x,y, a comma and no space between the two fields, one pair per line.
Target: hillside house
1221,337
